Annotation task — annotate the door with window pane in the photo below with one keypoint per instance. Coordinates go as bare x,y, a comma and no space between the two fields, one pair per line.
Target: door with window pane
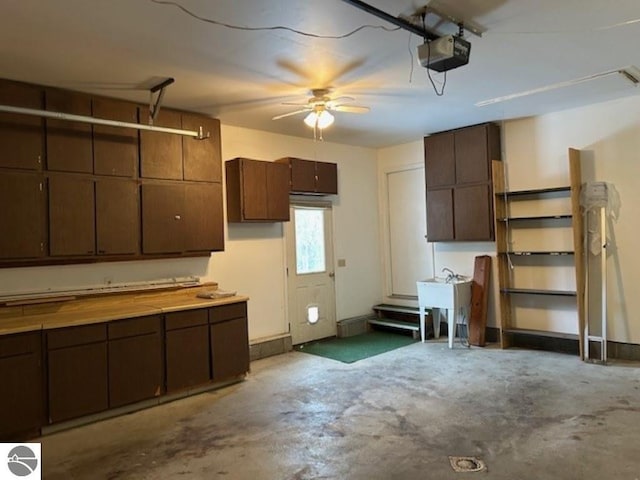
310,274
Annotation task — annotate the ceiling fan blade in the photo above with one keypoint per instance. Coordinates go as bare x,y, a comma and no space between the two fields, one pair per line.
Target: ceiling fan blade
341,100
351,108
284,115
296,104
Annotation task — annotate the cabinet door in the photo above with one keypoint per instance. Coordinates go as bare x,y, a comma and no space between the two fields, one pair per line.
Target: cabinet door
71,216
161,153
21,404
440,215
202,158
204,226
23,216
21,136
77,371
77,381
187,357
303,175
327,178
472,213
135,362
117,217
229,348
439,158
277,185
69,145
162,218
472,163
115,150
254,189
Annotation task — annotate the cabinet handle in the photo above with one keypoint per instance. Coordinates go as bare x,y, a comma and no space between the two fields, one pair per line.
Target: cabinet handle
177,217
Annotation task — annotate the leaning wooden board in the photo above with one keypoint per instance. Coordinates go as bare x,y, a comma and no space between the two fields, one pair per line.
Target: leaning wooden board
479,300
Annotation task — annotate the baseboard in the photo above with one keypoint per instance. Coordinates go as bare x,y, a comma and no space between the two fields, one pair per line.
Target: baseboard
268,347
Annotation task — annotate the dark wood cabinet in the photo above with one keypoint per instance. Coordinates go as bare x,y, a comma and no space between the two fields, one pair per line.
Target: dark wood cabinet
76,192
472,213
187,355
117,217
23,226
440,214
162,222
21,401
21,136
161,153
115,150
71,216
77,371
69,144
203,218
257,191
202,159
308,177
458,183
229,338
135,360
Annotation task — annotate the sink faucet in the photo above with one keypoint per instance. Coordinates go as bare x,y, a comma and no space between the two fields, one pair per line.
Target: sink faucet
450,274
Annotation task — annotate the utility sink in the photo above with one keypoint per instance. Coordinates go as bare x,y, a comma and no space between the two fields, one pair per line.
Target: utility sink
450,294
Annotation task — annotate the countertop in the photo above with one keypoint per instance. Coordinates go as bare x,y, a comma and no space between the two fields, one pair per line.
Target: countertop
85,311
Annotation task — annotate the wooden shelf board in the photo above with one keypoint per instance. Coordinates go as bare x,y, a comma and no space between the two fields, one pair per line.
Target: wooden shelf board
535,192
535,291
532,254
540,333
542,217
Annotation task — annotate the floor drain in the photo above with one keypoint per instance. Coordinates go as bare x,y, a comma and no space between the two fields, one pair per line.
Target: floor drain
467,464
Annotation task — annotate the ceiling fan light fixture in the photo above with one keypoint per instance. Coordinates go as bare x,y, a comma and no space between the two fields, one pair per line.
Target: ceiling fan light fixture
322,119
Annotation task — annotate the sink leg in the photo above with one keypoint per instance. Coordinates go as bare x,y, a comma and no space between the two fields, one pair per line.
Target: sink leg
435,313
451,318
422,329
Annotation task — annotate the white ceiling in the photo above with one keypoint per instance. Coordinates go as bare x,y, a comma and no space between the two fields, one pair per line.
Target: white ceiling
117,47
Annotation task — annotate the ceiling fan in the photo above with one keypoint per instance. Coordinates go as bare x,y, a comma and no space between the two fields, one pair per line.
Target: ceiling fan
318,109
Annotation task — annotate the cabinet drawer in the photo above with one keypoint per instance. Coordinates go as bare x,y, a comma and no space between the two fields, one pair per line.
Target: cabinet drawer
134,327
70,336
188,318
19,344
227,312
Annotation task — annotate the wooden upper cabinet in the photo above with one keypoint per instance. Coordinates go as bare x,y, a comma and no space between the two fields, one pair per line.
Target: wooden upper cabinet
162,219
202,158
21,136
311,177
117,217
115,150
439,157
203,218
473,213
326,178
161,153
71,216
69,144
440,226
475,148
22,216
257,191
458,183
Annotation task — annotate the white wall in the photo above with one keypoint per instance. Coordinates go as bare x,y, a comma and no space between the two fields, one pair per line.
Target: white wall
253,260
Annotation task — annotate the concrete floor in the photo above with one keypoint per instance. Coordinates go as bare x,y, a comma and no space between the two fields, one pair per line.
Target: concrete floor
527,414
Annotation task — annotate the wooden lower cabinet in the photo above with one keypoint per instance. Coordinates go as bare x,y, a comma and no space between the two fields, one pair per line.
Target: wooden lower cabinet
77,371
229,339
135,360
187,349
21,401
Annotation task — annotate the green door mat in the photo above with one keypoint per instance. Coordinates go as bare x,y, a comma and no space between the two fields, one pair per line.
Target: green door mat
358,347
